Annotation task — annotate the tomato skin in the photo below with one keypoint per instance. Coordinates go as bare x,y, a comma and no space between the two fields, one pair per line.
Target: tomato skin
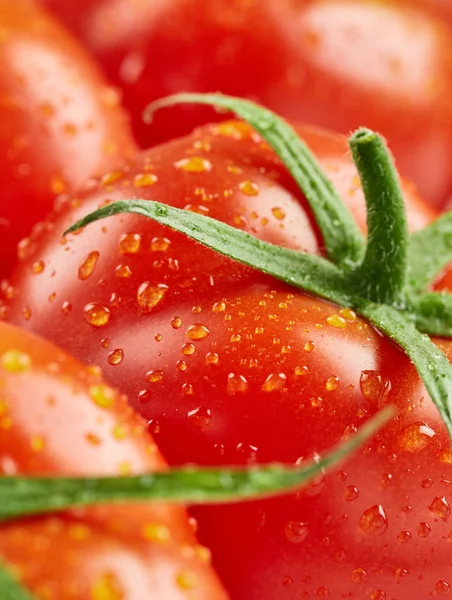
60,123
217,396
339,64
52,422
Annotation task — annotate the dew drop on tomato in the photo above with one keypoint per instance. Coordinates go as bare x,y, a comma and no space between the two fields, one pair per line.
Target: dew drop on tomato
374,386
150,295
200,416
236,383
440,507
115,357
130,243
88,265
374,521
296,531
96,314
415,437
275,382
194,164
198,331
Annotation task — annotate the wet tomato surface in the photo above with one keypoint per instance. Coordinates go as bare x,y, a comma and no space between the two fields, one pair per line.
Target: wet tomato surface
58,417
340,64
228,365
60,122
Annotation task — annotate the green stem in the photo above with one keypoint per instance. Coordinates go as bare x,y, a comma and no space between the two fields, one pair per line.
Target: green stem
342,238
308,272
433,312
430,251
10,588
21,496
381,276
431,364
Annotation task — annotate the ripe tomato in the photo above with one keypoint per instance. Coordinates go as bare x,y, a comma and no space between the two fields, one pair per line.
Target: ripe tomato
57,417
335,63
231,366
60,123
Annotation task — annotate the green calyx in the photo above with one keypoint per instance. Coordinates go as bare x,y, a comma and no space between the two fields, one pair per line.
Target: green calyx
384,279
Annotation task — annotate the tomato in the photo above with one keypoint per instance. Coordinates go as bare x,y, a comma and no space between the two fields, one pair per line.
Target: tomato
335,63
232,367
60,122
58,417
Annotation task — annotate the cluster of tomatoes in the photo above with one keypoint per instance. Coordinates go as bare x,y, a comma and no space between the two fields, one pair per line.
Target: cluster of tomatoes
213,362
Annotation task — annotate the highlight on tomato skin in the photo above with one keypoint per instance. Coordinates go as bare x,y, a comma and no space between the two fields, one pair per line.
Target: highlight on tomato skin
230,366
58,417
61,122
339,64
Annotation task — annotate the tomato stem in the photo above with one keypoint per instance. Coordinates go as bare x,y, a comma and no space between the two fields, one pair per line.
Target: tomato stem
382,274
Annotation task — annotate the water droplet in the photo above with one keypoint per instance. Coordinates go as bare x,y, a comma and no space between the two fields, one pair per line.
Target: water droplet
287,581
144,396
181,365
198,331
154,376
107,586
323,592
309,346
359,575
348,314
442,588
194,164
249,188
160,244
236,383
115,357
296,531
37,443
336,321
351,493
200,416
316,401
378,595
404,537
188,349
400,573
144,180
332,383
123,271
102,395
153,426
278,213
374,386
187,389
440,507
219,307
187,580
130,243
373,521
87,265
415,437
156,532
37,267
212,358
15,361
96,314
424,530
150,295
274,382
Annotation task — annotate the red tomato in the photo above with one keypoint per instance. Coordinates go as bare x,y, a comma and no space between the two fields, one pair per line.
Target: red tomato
231,366
57,417
60,123
335,63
